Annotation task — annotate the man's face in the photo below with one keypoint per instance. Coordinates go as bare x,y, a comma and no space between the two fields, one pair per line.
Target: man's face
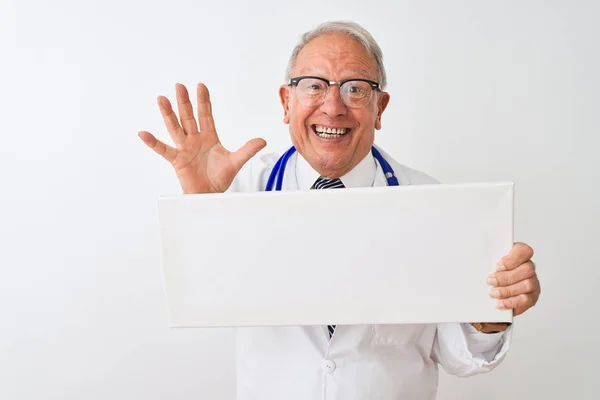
334,57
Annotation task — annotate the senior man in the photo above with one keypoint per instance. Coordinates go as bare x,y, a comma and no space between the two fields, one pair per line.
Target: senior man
333,100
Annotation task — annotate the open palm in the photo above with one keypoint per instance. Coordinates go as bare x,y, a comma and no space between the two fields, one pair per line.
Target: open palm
202,164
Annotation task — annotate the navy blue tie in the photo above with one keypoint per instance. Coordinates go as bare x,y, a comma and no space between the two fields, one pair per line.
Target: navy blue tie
326,183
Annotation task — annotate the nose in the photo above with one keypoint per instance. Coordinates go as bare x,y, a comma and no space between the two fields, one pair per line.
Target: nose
333,105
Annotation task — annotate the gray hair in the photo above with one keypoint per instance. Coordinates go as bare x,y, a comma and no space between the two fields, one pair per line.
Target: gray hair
352,29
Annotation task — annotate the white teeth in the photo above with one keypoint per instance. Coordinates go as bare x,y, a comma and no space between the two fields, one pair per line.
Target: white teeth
329,131
327,135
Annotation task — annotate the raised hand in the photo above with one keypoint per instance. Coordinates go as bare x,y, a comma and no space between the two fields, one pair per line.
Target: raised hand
202,164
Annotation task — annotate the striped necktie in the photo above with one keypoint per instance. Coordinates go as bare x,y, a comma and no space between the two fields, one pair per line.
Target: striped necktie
326,183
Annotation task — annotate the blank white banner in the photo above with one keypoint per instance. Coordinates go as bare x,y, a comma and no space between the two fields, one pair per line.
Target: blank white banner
409,254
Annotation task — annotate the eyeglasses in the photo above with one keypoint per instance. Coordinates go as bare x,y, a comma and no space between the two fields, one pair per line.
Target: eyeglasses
312,90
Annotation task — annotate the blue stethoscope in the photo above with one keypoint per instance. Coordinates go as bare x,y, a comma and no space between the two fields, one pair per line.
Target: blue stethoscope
279,169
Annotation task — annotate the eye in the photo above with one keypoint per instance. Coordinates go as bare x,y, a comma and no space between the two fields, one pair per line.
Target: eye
312,86
357,89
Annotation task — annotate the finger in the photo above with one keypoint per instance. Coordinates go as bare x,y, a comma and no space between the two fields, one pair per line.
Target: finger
523,287
170,119
249,150
518,304
519,254
507,278
521,309
207,124
186,110
159,147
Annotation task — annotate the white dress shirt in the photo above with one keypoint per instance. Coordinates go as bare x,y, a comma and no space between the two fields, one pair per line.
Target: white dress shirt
360,361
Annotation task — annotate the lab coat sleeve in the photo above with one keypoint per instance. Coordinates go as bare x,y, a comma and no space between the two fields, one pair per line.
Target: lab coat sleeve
462,351
253,176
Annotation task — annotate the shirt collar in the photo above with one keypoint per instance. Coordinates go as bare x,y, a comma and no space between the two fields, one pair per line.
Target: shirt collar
362,175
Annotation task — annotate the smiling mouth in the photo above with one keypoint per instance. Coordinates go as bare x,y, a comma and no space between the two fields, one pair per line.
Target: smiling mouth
327,132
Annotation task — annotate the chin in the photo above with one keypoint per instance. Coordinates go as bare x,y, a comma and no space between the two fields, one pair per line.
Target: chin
331,165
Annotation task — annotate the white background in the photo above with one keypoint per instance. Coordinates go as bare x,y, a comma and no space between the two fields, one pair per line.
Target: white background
481,91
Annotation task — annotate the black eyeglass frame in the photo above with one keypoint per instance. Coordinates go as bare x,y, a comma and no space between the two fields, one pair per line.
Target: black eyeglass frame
296,80
374,86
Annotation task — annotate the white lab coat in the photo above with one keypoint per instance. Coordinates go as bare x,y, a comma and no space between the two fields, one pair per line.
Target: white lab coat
361,361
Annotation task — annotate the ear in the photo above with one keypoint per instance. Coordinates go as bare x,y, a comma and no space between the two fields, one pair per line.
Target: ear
284,97
382,102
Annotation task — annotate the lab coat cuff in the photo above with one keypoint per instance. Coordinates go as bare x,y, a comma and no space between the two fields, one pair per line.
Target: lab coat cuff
480,343
464,353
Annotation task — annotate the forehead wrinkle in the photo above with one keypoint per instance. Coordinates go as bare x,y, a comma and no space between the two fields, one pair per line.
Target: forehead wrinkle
349,72
324,56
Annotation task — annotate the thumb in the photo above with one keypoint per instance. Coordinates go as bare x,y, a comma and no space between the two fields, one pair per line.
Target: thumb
246,152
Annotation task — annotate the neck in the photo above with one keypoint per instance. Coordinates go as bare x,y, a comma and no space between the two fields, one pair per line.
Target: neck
329,168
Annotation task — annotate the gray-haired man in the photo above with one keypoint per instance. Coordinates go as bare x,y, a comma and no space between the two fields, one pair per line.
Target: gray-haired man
333,100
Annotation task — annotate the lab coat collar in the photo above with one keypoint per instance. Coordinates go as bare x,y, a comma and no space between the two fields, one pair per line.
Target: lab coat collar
362,175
